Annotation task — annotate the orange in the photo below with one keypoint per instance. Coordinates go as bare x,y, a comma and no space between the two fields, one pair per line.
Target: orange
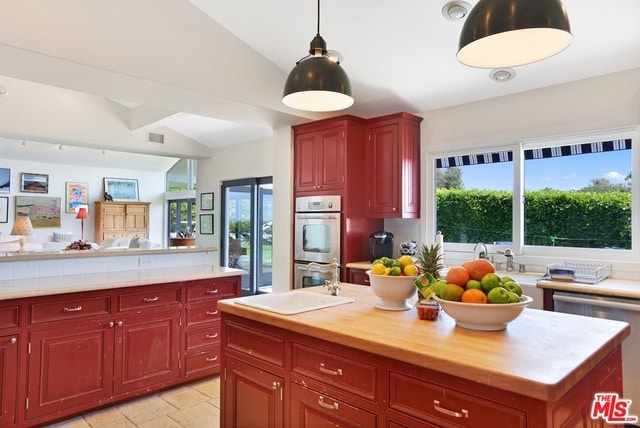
473,295
479,268
457,275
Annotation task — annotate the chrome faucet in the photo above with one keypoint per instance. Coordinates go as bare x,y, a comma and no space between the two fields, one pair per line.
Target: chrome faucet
484,253
508,254
334,283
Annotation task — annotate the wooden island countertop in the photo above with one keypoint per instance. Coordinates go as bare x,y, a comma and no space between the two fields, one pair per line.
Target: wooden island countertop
541,354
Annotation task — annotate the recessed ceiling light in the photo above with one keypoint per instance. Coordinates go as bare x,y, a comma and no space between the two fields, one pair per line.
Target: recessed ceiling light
502,74
456,10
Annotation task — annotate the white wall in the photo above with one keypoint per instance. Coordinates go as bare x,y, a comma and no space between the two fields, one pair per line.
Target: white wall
261,158
150,185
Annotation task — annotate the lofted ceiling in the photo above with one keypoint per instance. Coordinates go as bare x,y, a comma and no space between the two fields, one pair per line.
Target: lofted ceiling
213,70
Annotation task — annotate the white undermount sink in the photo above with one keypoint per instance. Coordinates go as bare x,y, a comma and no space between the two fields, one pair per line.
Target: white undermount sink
293,302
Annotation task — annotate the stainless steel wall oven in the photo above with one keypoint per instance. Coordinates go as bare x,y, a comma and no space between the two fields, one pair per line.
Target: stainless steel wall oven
317,226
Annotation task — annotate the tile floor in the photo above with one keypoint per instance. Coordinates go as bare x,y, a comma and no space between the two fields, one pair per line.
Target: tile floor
196,405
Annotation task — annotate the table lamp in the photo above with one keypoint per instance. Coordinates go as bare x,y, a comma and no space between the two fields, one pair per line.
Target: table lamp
82,214
22,227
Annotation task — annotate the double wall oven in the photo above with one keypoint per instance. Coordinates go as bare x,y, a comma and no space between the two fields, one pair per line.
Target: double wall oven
317,225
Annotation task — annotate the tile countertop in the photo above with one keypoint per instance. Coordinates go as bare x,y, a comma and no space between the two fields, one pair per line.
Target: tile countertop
525,358
44,286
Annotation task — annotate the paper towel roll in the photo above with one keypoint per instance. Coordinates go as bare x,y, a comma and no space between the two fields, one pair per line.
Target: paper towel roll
440,241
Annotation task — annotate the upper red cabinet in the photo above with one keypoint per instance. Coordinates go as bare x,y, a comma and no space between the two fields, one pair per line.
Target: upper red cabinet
323,154
393,166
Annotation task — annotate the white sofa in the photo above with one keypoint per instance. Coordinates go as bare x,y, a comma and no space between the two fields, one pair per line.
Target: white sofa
59,241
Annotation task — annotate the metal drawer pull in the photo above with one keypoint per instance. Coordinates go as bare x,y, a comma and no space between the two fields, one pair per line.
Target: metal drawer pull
210,360
323,369
76,309
211,336
212,291
463,414
333,406
212,312
151,299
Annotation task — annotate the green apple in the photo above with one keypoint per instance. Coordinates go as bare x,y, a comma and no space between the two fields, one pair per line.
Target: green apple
513,287
498,295
513,297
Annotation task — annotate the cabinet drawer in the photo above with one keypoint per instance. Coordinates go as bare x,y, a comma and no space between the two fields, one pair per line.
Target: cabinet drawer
70,308
203,337
148,298
312,408
10,316
202,314
350,374
203,361
436,403
256,343
212,289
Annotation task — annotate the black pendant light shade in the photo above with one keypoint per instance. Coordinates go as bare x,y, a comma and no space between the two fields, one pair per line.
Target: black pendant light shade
508,33
318,82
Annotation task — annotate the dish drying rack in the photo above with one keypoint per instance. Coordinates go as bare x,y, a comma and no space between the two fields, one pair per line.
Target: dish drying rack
578,272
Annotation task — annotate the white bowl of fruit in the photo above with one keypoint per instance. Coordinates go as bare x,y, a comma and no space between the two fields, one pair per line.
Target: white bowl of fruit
478,298
392,282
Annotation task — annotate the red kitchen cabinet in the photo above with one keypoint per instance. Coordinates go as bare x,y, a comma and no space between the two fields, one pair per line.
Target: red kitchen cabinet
254,397
358,276
70,365
9,346
320,160
202,332
147,351
393,166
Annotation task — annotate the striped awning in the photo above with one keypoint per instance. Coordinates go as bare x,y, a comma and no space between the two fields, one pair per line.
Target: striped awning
541,153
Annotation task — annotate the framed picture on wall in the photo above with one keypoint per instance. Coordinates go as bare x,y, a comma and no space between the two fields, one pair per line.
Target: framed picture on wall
34,183
206,224
44,211
4,209
5,180
206,201
122,189
77,195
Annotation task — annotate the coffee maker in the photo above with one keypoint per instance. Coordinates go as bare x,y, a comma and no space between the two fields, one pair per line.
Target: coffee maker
380,244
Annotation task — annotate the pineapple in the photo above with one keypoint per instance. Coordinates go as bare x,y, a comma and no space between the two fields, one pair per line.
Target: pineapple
430,262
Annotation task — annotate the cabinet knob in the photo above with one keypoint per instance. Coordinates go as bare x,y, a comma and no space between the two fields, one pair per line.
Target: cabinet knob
275,385
119,323
111,324
13,340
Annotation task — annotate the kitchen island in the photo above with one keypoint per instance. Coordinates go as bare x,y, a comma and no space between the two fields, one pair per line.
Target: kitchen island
73,343
357,363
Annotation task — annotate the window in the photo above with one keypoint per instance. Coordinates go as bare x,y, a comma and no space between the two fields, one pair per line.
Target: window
540,197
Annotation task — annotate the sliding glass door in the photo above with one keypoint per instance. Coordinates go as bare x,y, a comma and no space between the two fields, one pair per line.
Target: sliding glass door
246,240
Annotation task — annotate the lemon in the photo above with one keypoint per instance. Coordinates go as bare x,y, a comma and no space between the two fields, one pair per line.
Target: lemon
410,270
378,269
405,260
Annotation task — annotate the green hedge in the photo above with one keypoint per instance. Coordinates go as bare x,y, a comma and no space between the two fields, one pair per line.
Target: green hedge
566,219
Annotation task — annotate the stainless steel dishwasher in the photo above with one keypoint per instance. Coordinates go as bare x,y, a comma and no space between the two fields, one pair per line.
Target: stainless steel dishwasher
611,308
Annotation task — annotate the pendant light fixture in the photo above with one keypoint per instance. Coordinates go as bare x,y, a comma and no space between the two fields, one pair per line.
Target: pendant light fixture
508,33
318,82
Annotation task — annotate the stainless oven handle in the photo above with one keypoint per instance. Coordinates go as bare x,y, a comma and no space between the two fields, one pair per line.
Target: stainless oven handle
317,217
594,302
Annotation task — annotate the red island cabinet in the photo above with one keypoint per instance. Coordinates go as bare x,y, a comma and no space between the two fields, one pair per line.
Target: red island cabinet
393,166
